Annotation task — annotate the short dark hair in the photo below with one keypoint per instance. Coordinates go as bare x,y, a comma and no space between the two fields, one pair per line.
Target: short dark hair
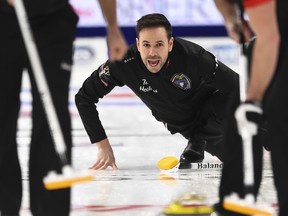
154,20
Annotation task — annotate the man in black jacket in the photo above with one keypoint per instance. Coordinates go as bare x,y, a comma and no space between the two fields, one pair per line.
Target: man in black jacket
53,23
183,85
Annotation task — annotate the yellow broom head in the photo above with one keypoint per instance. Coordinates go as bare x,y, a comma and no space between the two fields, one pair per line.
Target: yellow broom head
66,179
246,206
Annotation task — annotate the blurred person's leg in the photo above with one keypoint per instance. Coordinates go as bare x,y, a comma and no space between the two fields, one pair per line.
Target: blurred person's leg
56,55
12,57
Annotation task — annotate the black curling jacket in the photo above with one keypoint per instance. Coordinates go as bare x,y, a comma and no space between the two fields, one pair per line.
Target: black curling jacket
177,95
37,7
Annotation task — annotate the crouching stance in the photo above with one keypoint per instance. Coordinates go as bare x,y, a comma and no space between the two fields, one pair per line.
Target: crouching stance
183,85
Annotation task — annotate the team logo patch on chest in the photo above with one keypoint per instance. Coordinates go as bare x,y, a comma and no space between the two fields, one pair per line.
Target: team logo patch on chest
181,81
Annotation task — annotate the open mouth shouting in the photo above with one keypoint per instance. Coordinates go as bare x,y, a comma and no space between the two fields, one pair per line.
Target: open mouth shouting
153,65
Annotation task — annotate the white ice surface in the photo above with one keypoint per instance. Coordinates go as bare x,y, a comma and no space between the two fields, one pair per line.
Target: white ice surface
138,141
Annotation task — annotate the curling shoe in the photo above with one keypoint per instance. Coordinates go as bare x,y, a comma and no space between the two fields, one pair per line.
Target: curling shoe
193,153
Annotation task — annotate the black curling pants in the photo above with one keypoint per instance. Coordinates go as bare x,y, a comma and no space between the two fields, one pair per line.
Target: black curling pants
276,107
217,112
275,111
54,35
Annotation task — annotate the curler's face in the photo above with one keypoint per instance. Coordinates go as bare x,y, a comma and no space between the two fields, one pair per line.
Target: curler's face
154,47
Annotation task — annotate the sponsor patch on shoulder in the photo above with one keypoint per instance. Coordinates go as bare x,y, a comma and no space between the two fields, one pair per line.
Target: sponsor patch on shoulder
104,74
181,81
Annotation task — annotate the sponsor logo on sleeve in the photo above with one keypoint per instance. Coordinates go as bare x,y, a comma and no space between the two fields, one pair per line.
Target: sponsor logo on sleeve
104,74
128,59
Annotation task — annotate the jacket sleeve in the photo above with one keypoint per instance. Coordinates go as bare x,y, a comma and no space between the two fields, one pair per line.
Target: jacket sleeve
100,83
